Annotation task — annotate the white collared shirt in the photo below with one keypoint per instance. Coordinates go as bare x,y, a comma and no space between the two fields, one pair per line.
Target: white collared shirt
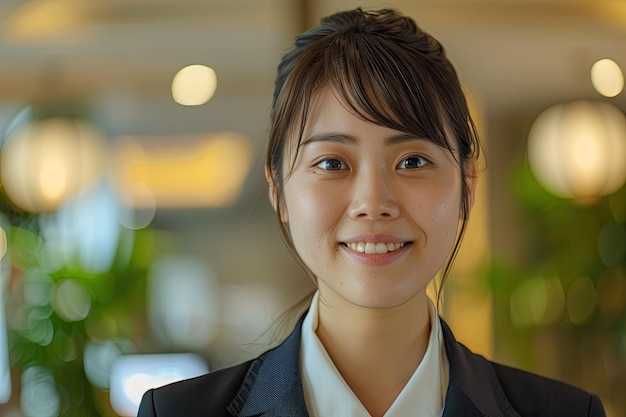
327,394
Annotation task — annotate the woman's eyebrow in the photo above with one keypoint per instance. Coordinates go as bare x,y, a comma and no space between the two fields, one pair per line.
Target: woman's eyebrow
353,140
331,137
403,137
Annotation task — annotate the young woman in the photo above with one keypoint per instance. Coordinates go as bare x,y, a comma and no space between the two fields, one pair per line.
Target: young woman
371,166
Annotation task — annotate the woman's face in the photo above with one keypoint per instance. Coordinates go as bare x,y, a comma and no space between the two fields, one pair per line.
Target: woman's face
373,212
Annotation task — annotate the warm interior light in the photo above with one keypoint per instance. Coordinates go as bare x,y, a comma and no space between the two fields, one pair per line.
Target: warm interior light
578,150
194,85
193,172
607,77
49,161
53,177
41,20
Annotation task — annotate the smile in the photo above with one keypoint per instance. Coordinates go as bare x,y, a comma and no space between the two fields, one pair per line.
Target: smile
371,248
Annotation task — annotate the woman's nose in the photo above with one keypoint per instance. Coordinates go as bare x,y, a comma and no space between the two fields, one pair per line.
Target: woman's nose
373,197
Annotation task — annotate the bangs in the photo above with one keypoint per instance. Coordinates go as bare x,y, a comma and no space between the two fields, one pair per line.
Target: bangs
387,84
397,81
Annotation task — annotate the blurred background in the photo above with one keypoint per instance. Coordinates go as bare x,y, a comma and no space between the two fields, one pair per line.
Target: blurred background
138,246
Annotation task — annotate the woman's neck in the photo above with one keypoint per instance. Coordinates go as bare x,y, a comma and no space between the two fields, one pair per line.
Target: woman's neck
376,351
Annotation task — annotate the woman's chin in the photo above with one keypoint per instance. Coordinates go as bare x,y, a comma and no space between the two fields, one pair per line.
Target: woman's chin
375,298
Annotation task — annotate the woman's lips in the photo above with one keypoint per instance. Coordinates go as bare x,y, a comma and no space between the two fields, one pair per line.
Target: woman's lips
372,248
376,254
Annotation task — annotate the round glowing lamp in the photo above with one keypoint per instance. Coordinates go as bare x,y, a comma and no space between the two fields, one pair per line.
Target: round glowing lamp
607,77
578,150
45,162
194,85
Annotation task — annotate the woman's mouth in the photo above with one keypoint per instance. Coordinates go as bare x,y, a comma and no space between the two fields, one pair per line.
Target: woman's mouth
372,248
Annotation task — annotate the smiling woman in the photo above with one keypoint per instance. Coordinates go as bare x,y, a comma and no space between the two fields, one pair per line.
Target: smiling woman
371,165
355,183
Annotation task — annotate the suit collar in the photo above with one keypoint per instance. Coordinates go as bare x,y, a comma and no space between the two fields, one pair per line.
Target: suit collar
473,388
273,386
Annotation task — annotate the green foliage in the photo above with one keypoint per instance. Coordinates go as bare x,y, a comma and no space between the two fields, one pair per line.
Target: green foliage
560,306
52,314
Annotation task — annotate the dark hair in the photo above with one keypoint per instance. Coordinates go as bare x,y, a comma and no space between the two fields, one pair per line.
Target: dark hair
389,72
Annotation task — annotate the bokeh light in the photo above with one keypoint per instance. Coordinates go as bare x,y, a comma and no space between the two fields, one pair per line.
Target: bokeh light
607,77
35,21
133,375
63,347
578,150
84,231
72,301
39,396
194,85
141,217
537,301
183,297
37,288
581,300
99,357
194,171
5,371
47,161
40,329
612,243
32,318
101,326
25,246
3,243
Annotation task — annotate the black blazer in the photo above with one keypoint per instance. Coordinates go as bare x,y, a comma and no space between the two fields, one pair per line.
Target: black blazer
270,386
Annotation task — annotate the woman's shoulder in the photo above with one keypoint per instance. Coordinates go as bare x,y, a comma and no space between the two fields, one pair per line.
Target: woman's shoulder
490,386
196,396
527,392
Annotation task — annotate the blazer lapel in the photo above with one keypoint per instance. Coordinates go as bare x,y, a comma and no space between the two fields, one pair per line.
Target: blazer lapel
273,386
458,404
473,389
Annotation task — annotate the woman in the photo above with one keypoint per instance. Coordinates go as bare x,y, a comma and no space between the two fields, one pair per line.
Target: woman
372,169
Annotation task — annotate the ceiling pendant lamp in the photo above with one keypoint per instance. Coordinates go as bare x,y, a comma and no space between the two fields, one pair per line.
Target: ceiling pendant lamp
577,150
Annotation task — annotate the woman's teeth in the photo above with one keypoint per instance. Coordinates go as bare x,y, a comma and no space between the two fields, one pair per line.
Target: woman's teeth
372,248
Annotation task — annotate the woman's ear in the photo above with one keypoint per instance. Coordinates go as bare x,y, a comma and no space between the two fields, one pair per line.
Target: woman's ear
276,199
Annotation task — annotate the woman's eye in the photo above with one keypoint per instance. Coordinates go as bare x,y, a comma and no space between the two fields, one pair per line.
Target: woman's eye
413,162
332,164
